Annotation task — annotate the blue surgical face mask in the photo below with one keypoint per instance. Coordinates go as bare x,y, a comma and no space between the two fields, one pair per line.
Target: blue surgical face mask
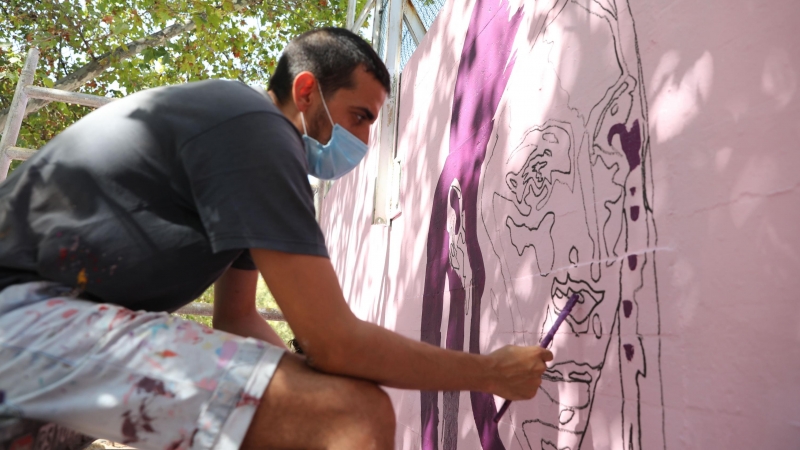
340,155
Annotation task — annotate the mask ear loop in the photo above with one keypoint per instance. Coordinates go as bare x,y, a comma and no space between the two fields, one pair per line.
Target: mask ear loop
302,119
323,103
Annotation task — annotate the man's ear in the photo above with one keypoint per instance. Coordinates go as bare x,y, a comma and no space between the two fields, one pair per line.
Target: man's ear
303,88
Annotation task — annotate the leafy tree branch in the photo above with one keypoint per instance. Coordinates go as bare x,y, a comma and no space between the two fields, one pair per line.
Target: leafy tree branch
117,47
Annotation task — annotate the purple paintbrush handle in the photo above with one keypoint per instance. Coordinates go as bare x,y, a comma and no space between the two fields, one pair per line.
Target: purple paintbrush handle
502,411
563,315
544,344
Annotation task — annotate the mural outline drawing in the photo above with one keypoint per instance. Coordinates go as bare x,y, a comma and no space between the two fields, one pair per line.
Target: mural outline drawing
556,167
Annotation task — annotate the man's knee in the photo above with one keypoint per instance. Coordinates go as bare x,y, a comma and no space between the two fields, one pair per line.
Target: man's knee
352,413
373,407
384,411
372,400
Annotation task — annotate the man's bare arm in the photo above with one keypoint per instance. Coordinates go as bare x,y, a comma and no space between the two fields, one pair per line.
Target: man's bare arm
235,307
335,341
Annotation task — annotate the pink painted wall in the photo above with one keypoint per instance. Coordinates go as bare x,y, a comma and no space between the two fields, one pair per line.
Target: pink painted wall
642,154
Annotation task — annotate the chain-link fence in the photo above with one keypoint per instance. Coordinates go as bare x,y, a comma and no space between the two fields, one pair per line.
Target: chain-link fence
382,21
407,46
427,11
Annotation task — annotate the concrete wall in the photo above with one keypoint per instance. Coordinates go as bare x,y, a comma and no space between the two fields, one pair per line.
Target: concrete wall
642,154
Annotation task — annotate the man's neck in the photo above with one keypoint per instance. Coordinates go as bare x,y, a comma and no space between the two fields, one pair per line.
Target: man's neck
289,110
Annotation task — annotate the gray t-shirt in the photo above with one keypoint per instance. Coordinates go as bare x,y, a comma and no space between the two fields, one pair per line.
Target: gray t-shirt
147,201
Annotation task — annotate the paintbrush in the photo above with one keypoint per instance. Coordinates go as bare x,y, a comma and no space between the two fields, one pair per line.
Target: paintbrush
544,344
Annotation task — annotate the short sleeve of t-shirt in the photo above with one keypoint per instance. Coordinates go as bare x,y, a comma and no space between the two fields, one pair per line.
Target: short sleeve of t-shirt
248,177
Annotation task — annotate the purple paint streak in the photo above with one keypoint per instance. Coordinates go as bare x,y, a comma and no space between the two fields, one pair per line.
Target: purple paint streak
483,72
633,190
453,341
628,351
631,142
627,307
634,213
632,260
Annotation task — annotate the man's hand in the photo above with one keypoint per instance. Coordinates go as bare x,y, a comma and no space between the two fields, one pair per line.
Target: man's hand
519,371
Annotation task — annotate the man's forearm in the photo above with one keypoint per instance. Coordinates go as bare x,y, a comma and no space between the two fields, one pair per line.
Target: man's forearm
390,359
335,341
235,307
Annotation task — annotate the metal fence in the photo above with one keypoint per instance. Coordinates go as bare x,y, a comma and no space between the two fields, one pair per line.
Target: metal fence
427,10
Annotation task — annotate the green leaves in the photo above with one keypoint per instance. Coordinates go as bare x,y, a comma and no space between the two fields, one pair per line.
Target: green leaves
119,28
239,39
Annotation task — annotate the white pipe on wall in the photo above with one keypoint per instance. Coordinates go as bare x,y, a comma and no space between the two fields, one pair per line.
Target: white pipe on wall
207,309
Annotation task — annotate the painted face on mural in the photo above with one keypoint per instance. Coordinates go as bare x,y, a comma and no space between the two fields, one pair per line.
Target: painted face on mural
552,200
549,251
541,162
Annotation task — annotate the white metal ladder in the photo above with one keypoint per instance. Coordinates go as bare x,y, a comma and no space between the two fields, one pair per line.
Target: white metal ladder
25,91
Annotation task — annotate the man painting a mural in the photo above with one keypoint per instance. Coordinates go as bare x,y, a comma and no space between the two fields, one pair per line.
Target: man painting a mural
558,207
140,206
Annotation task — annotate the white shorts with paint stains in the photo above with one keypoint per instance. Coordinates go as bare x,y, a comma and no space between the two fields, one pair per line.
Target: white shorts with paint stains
150,380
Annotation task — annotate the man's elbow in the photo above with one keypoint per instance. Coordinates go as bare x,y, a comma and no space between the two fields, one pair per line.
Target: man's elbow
329,355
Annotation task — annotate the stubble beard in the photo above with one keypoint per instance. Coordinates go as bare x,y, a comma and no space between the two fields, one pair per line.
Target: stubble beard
318,122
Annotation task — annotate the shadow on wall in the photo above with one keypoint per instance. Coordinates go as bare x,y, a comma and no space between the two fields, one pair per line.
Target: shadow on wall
610,119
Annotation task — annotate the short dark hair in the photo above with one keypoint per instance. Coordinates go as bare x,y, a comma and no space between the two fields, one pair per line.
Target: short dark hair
331,54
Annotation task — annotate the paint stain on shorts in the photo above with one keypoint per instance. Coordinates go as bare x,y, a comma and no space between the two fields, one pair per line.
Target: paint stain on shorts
167,354
248,400
152,386
226,352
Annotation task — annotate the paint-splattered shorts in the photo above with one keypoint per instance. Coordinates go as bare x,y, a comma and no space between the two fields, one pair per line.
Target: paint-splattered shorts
150,380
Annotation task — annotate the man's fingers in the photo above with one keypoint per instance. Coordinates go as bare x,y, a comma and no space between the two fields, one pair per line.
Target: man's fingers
524,383
544,354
